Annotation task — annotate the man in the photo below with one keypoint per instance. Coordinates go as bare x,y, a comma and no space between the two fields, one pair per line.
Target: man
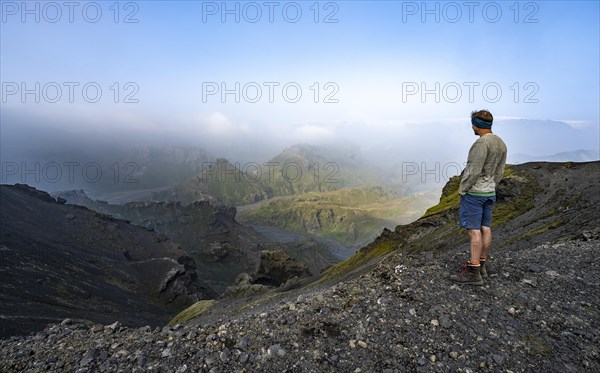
485,167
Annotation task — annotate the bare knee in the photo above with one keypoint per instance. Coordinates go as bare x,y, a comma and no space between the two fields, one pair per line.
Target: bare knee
474,234
486,231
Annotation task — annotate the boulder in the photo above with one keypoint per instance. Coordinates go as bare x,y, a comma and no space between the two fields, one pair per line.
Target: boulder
276,267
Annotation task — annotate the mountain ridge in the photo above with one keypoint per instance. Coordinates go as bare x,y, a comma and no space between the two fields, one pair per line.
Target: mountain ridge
391,307
295,170
209,232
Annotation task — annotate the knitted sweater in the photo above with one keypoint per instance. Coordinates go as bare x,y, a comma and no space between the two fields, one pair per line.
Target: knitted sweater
485,166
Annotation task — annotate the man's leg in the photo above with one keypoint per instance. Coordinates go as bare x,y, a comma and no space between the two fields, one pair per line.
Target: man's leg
486,234
476,245
470,273
470,218
486,238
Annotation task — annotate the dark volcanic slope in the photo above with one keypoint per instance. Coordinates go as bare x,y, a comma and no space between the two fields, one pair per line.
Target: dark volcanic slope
62,261
221,247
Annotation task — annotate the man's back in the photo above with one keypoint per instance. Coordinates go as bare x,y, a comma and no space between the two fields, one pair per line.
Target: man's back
485,165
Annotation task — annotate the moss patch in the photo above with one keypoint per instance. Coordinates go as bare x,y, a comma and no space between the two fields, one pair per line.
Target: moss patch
363,256
551,225
571,201
508,171
451,201
450,198
505,211
192,311
256,302
536,346
62,290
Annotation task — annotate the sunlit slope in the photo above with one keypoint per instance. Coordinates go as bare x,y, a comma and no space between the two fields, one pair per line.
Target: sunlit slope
536,203
351,216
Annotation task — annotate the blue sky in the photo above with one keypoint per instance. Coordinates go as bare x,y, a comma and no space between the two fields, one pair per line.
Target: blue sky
370,57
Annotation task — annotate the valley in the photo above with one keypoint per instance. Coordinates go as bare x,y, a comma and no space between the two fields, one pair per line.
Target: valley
387,305
352,217
335,202
239,238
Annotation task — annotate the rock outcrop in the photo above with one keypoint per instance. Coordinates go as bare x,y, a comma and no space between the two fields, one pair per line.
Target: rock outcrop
276,268
275,271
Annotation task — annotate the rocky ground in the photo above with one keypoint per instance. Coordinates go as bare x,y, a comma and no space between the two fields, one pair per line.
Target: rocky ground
538,312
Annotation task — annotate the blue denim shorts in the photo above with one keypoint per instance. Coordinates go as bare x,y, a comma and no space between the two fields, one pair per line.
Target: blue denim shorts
475,211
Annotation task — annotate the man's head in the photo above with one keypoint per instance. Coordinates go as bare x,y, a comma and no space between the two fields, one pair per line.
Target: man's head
481,122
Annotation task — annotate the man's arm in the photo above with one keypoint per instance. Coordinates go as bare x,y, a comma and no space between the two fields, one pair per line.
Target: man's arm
475,161
500,170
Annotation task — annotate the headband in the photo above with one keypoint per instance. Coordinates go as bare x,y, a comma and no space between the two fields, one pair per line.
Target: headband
481,123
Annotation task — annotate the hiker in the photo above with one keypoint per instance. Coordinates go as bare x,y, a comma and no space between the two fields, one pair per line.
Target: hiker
484,169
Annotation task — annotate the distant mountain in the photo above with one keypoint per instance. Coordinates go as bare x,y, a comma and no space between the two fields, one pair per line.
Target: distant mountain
448,142
63,261
147,168
321,168
167,165
574,156
113,173
298,169
219,181
544,136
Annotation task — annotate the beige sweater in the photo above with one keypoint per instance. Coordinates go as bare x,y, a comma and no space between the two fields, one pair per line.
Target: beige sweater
485,165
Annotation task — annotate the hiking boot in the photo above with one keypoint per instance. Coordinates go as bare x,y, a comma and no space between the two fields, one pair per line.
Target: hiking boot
483,270
468,275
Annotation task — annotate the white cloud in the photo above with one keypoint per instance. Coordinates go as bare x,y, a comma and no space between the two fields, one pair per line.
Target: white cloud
218,124
313,133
